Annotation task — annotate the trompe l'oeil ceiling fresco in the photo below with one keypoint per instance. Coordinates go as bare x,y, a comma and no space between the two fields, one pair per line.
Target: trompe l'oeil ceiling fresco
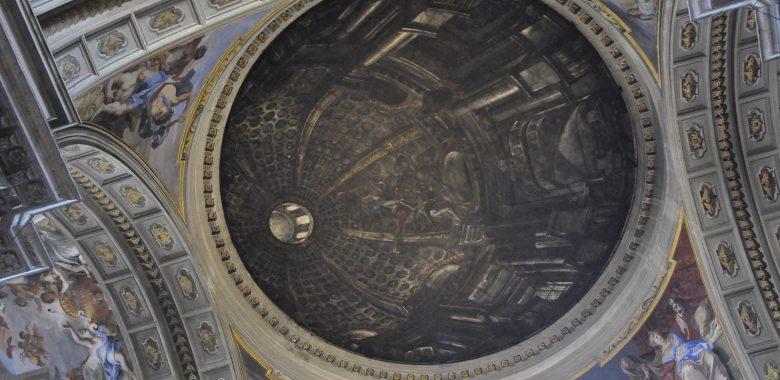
150,106
399,184
682,338
59,324
451,219
153,105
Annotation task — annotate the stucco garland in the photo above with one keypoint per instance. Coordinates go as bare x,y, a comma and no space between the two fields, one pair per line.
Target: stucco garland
731,169
174,321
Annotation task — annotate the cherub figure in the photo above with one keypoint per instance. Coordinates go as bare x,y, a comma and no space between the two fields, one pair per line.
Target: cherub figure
31,344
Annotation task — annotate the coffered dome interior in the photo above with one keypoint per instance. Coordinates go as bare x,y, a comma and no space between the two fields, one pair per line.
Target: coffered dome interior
467,168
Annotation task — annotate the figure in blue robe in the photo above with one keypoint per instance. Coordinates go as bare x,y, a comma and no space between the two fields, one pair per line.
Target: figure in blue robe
105,353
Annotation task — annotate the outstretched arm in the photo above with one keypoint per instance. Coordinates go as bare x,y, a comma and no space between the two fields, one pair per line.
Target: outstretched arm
76,335
116,108
108,89
179,99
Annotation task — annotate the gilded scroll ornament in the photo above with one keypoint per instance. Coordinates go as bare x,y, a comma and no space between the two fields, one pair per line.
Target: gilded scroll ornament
166,19
709,200
101,164
768,180
749,318
690,86
772,371
752,70
153,354
689,36
152,272
728,262
208,339
131,301
756,125
111,44
106,254
696,143
133,195
69,67
187,284
162,236
75,214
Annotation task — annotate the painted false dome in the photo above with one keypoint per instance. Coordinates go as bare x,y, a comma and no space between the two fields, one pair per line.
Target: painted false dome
459,175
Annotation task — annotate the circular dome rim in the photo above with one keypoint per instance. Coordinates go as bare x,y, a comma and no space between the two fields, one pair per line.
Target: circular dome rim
348,134
660,227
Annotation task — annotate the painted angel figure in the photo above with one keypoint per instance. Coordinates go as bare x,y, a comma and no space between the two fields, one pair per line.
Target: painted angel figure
105,350
155,93
149,95
687,360
65,253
